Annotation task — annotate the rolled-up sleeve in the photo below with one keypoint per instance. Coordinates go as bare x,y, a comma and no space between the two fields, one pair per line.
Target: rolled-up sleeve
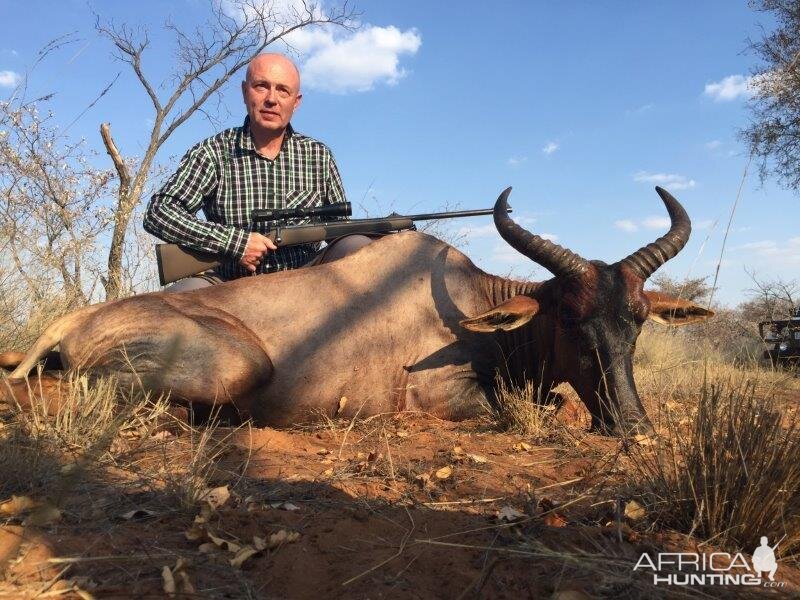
171,212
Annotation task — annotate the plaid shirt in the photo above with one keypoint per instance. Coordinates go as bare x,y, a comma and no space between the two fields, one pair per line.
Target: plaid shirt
228,179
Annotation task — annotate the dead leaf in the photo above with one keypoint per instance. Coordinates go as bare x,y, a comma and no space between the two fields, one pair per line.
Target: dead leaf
216,497
458,452
402,433
185,584
323,451
176,580
510,514
634,511
477,459
222,542
206,547
444,472
523,447
242,555
289,506
17,505
43,515
282,537
342,404
169,581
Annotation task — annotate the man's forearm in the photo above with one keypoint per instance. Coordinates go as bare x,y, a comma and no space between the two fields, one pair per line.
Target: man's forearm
171,223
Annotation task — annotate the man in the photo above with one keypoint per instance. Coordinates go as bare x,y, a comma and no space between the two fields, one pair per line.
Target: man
263,164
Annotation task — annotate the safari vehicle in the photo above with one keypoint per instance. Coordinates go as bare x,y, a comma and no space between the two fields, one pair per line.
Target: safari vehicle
783,340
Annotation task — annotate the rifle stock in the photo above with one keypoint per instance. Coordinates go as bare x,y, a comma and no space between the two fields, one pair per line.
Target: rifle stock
176,262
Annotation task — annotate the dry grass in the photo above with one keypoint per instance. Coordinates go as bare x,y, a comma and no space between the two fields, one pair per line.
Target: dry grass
727,469
673,368
100,427
37,449
527,410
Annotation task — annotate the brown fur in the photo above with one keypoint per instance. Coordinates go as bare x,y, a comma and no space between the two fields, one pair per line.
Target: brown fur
388,327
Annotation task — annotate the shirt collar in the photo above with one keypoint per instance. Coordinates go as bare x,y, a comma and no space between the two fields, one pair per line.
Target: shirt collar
246,140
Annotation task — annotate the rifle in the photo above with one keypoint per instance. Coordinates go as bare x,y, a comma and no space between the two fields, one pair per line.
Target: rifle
176,262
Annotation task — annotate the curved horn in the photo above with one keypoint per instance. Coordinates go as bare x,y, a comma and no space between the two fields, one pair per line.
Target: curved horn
554,258
646,260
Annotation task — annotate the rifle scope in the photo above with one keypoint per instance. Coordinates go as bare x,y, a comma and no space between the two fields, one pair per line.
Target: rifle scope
338,209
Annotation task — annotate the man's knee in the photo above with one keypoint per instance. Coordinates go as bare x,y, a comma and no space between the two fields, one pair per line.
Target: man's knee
345,246
193,283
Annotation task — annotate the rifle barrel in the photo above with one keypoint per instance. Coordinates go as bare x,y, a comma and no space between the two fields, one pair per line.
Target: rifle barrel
451,215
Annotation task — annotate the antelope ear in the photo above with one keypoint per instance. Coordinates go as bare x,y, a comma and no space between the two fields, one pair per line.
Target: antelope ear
668,310
506,316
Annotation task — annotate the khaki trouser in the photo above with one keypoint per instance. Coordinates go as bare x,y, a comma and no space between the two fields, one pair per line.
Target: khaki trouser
336,249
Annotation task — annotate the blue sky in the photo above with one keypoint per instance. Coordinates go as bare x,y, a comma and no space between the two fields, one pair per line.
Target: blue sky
582,107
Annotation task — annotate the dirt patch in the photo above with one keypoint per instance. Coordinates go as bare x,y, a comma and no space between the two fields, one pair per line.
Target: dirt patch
402,506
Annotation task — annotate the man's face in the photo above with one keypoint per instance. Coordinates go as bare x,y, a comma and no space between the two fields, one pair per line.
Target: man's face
271,93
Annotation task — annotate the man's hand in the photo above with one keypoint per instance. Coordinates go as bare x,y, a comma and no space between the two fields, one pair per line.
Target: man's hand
257,246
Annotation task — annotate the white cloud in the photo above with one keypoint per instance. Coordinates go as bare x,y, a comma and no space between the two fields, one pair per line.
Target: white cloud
656,222
626,225
653,222
670,181
516,161
359,61
713,145
481,231
730,88
503,253
332,59
550,147
772,252
9,79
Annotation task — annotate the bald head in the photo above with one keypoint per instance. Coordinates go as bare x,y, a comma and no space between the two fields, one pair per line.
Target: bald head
271,92
273,62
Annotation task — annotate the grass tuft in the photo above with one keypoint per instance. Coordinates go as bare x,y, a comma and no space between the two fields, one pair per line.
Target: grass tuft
729,473
525,410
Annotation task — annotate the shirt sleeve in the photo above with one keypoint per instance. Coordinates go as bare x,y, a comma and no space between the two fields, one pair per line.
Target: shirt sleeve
171,212
333,183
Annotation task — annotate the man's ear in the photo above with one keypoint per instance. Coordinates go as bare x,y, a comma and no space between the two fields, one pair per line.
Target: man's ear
668,310
506,316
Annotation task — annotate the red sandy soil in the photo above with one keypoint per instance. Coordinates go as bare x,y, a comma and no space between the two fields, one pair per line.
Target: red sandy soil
374,520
